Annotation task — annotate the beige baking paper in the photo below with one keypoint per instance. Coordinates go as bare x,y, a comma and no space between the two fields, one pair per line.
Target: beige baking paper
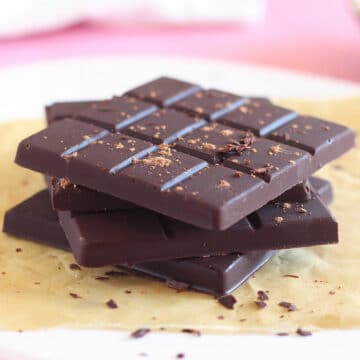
35,283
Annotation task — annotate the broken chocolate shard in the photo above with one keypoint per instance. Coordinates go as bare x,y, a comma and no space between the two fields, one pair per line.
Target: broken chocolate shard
191,331
111,304
227,301
262,296
303,332
287,305
139,333
260,304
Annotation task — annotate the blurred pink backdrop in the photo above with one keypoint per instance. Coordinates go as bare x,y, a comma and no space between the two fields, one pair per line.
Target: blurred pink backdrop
321,36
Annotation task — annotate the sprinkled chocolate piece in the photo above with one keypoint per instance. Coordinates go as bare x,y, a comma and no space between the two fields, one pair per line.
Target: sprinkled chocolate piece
287,305
74,266
191,331
303,332
260,304
227,301
75,296
102,278
139,333
180,356
282,334
291,276
18,250
262,296
111,304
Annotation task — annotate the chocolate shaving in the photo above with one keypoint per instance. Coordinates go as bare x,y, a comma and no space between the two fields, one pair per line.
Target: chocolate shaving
191,331
262,296
177,285
282,334
260,304
263,170
102,278
227,301
287,305
75,296
303,332
18,250
237,147
139,333
291,276
180,355
74,267
111,304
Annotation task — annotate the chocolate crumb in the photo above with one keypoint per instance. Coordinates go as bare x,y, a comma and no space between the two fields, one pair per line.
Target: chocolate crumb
243,320
37,283
303,332
208,146
278,219
180,355
282,334
331,292
191,331
221,317
227,301
75,296
286,205
177,285
262,170
111,304
139,333
291,276
127,291
64,183
18,250
262,296
74,267
260,304
275,149
224,184
287,305
102,278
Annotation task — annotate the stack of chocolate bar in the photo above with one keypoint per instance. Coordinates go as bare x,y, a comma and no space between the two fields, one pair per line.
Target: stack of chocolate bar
198,187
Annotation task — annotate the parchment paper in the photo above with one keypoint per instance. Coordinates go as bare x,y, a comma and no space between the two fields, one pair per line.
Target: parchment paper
35,283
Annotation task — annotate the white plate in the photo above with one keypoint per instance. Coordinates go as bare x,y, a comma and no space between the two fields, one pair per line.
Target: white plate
24,90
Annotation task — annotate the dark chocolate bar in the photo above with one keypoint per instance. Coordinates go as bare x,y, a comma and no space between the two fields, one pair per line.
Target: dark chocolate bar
195,159
139,235
34,219
67,196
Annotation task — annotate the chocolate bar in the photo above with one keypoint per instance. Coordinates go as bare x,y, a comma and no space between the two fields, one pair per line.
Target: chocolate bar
114,237
35,220
67,196
160,158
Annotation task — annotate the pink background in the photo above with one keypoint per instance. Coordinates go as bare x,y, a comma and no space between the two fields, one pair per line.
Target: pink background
317,36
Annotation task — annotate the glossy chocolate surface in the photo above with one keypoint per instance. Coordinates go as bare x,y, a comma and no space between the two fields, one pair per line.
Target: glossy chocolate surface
187,161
